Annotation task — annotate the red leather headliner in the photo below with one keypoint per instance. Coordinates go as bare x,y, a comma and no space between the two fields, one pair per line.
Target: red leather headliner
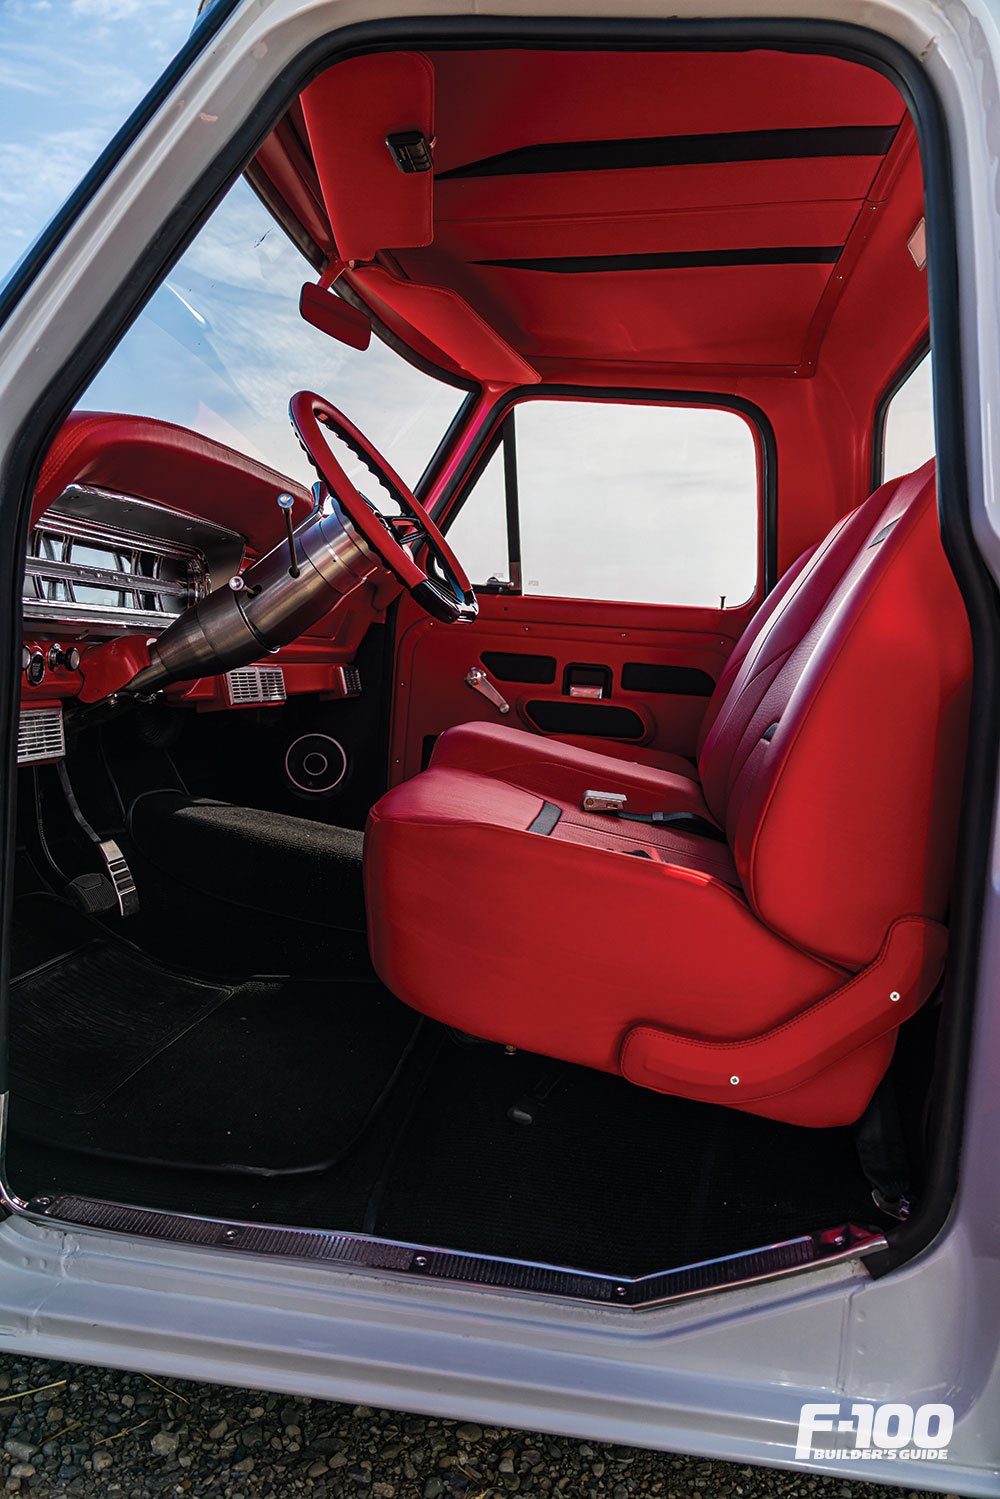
812,211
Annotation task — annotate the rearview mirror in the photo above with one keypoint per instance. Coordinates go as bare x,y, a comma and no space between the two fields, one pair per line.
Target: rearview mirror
331,314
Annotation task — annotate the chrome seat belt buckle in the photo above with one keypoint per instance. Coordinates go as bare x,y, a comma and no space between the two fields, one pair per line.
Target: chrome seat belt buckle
604,801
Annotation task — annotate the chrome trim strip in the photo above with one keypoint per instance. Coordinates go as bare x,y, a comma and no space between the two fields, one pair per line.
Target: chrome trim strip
83,572
361,1252
68,612
145,521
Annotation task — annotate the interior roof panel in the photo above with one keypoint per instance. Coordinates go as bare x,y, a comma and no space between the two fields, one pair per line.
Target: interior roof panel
491,102
653,243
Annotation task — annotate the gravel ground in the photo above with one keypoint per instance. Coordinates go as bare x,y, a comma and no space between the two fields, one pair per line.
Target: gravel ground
79,1431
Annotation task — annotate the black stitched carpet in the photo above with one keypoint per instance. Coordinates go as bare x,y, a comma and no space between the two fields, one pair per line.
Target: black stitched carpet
609,1176
329,1104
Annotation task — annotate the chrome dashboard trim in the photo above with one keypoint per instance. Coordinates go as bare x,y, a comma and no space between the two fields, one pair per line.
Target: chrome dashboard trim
40,735
78,572
131,590
67,614
137,520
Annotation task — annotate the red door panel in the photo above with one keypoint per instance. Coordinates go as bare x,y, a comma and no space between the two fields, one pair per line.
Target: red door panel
656,667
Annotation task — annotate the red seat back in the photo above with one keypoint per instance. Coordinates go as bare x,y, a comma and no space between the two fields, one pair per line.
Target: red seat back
833,755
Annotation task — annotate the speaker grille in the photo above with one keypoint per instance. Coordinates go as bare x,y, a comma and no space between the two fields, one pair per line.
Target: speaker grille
40,735
315,764
255,684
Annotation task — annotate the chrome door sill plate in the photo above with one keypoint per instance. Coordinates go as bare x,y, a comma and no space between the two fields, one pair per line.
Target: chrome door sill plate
486,1272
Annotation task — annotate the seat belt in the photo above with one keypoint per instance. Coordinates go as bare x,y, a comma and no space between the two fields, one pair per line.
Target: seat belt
682,822
612,804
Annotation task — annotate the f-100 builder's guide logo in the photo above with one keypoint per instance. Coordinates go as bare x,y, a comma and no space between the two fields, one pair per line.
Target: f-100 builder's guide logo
915,1433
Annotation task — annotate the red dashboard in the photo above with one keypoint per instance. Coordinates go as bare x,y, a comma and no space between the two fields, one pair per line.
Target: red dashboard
133,519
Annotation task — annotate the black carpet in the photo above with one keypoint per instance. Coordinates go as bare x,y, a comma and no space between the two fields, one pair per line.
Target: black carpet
329,1104
246,890
609,1177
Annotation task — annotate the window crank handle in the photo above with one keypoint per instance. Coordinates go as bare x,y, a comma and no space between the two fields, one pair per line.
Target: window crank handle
480,682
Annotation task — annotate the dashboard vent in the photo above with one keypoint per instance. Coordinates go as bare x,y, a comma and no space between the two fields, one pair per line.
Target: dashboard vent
352,681
40,735
255,684
87,573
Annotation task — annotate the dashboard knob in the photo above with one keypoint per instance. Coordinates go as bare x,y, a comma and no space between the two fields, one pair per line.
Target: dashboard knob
69,658
36,668
25,657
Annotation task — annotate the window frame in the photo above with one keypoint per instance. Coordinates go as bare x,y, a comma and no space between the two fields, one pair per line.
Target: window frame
498,431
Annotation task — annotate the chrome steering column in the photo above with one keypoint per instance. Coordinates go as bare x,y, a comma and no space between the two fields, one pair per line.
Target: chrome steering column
274,601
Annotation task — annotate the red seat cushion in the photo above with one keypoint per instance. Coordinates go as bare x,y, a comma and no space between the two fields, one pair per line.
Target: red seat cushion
789,955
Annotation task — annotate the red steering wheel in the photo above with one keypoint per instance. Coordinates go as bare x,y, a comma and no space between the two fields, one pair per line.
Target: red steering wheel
450,598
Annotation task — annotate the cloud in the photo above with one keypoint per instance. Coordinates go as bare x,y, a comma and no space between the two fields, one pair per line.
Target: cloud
13,76
47,169
70,73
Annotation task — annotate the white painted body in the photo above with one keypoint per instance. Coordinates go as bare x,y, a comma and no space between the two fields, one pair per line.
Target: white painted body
723,1375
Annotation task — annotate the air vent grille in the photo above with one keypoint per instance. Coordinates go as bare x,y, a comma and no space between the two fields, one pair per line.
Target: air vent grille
85,572
255,684
352,681
40,735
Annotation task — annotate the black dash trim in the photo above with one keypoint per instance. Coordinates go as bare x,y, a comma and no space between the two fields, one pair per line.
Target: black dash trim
575,265
883,533
546,819
768,733
682,151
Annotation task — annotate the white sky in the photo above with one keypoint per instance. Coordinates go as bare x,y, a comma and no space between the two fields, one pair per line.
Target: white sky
221,348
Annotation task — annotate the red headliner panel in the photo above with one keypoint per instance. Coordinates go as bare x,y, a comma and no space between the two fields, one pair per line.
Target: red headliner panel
489,103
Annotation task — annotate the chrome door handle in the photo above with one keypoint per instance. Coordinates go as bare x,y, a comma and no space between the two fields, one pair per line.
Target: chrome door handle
480,682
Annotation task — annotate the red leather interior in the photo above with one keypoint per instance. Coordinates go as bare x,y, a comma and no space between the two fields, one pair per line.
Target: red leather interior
160,462
371,203
832,756
444,287
189,474
431,693
557,770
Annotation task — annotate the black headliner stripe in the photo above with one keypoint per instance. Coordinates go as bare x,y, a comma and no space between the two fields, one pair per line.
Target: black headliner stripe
575,265
683,151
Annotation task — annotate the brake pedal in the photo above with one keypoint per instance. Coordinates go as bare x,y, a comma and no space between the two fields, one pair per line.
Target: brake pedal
117,877
93,894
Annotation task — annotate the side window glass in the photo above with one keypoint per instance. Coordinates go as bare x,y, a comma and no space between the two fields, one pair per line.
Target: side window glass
478,533
637,504
909,424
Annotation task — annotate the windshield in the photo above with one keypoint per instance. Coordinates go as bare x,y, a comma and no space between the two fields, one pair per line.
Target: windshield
221,347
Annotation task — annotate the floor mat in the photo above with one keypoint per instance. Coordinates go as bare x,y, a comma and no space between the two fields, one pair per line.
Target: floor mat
332,1105
83,1023
609,1176
115,1055
281,1078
